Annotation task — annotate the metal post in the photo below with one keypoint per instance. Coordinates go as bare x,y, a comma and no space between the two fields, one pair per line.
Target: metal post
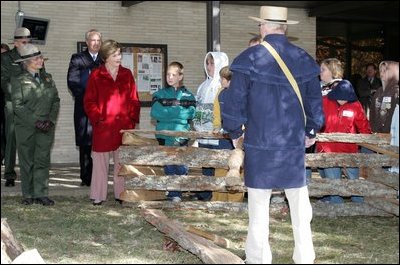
213,26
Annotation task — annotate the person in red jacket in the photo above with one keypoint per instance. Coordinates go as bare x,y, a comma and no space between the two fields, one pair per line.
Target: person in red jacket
343,114
111,103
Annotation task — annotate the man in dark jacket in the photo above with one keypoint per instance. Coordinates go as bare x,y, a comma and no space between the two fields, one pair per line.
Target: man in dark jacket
367,86
80,67
279,124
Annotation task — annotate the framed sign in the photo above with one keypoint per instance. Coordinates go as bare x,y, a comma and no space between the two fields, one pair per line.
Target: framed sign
148,63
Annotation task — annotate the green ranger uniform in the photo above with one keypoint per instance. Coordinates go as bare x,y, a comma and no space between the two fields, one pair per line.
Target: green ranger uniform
8,70
34,100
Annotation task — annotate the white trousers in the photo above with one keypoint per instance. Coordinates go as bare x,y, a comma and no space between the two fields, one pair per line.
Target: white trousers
257,248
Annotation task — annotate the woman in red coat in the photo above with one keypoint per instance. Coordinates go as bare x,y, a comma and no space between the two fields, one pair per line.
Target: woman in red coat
343,114
111,103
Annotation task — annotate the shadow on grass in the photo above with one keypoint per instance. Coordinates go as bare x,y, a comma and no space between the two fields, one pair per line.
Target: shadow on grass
75,231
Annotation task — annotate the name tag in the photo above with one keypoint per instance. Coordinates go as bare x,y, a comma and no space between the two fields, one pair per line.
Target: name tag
27,82
387,99
348,113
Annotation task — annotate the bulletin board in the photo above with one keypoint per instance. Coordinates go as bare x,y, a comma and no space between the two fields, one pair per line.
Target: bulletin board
148,63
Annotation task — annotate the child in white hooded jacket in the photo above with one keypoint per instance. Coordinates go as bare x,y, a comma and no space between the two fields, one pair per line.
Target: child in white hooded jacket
204,117
208,90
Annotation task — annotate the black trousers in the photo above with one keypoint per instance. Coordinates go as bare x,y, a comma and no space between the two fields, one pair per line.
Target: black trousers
86,163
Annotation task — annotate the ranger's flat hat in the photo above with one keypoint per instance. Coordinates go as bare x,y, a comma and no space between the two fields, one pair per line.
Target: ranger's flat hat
28,51
22,33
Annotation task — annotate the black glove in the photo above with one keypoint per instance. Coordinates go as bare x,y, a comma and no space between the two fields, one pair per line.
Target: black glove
48,124
44,126
41,125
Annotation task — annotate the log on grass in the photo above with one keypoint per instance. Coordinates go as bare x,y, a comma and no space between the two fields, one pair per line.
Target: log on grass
216,239
207,251
12,248
5,259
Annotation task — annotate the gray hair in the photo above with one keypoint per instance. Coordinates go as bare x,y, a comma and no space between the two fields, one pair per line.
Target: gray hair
277,27
91,32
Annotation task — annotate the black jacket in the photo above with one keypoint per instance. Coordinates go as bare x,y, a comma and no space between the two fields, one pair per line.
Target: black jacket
80,67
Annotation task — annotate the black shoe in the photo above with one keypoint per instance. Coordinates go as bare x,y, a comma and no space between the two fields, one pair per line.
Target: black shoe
27,201
97,203
119,201
10,183
44,201
83,183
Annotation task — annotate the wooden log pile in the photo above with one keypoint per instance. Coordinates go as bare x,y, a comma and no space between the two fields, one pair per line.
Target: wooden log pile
142,151
146,189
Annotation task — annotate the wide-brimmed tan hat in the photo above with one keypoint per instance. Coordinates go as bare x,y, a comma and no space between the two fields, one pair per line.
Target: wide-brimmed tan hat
28,51
274,14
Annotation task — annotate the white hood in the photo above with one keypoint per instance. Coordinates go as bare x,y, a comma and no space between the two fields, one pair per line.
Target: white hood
208,90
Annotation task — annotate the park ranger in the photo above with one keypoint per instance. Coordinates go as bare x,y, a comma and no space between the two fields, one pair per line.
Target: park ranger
36,104
9,68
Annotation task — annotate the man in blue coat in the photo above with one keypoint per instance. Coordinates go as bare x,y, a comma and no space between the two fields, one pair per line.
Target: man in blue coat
80,67
278,124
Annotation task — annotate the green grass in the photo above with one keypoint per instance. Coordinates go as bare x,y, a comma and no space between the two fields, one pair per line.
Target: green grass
74,231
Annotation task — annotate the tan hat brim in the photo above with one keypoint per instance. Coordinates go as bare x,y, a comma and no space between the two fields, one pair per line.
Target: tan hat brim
26,59
288,22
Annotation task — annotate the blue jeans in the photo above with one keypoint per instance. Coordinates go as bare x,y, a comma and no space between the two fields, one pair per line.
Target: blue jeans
171,170
175,170
308,175
335,173
209,171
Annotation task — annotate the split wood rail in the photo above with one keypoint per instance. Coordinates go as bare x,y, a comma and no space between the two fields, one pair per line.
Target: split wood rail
378,186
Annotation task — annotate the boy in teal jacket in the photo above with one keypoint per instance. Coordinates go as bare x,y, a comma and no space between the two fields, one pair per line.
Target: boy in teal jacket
173,107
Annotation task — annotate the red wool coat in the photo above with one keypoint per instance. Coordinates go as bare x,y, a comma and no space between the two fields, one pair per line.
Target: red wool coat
111,106
348,118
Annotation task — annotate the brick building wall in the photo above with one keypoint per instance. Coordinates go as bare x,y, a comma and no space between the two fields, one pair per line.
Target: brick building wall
180,25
